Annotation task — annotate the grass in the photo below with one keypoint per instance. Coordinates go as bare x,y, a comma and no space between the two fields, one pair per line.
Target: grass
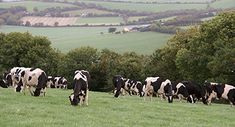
31,4
67,38
54,110
86,11
146,7
223,4
99,20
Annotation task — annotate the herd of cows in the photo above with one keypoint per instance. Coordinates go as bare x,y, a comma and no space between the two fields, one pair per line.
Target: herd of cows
36,81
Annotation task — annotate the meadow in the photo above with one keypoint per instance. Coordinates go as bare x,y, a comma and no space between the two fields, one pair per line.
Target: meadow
31,4
99,20
54,110
146,7
67,38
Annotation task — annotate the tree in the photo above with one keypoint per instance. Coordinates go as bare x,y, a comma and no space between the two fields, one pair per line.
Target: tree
24,50
56,23
27,23
112,30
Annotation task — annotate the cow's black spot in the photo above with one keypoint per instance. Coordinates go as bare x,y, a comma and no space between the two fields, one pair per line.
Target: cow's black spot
22,74
29,78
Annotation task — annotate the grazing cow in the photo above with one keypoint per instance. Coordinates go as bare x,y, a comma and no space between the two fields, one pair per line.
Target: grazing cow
30,77
131,86
158,85
217,90
191,91
80,91
60,82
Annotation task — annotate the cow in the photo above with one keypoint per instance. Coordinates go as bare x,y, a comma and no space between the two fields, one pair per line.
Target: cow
158,85
190,90
60,82
218,90
131,86
80,90
30,77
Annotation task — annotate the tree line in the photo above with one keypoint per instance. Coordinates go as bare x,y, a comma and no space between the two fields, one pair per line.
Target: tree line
201,53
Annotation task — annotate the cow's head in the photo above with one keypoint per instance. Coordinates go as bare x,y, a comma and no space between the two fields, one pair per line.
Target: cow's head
74,100
168,90
140,88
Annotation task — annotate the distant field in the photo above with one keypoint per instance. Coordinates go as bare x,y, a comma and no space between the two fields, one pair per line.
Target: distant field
31,4
54,110
170,1
223,4
99,21
86,11
50,21
67,38
146,7
135,18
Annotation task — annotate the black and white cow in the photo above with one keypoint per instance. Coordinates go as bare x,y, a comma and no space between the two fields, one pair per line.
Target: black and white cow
217,90
32,78
160,86
191,91
60,82
80,90
131,86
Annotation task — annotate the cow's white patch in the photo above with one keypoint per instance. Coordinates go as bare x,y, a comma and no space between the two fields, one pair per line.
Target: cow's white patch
72,97
178,86
227,88
79,75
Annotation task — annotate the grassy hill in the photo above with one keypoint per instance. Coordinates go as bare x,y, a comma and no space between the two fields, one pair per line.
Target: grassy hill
67,38
54,110
31,4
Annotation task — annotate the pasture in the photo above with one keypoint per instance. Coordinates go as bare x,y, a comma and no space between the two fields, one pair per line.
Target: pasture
54,110
86,11
146,7
67,38
31,4
99,21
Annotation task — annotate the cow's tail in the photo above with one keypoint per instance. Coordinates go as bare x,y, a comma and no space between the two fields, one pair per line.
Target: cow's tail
42,82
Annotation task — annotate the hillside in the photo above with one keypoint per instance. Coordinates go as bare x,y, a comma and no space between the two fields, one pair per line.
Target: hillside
104,111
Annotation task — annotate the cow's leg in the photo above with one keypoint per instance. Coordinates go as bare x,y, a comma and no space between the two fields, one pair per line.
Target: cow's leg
86,98
80,100
31,91
24,89
180,97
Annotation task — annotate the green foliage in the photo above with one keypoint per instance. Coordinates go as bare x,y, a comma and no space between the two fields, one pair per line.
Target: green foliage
204,53
23,49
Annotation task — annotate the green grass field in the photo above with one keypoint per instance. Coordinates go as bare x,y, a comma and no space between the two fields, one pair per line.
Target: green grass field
223,4
99,21
31,4
54,110
67,38
86,11
147,7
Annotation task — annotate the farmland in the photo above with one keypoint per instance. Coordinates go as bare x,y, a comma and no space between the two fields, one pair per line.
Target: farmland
31,4
147,7
99,21
54,110
67,38
50,21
